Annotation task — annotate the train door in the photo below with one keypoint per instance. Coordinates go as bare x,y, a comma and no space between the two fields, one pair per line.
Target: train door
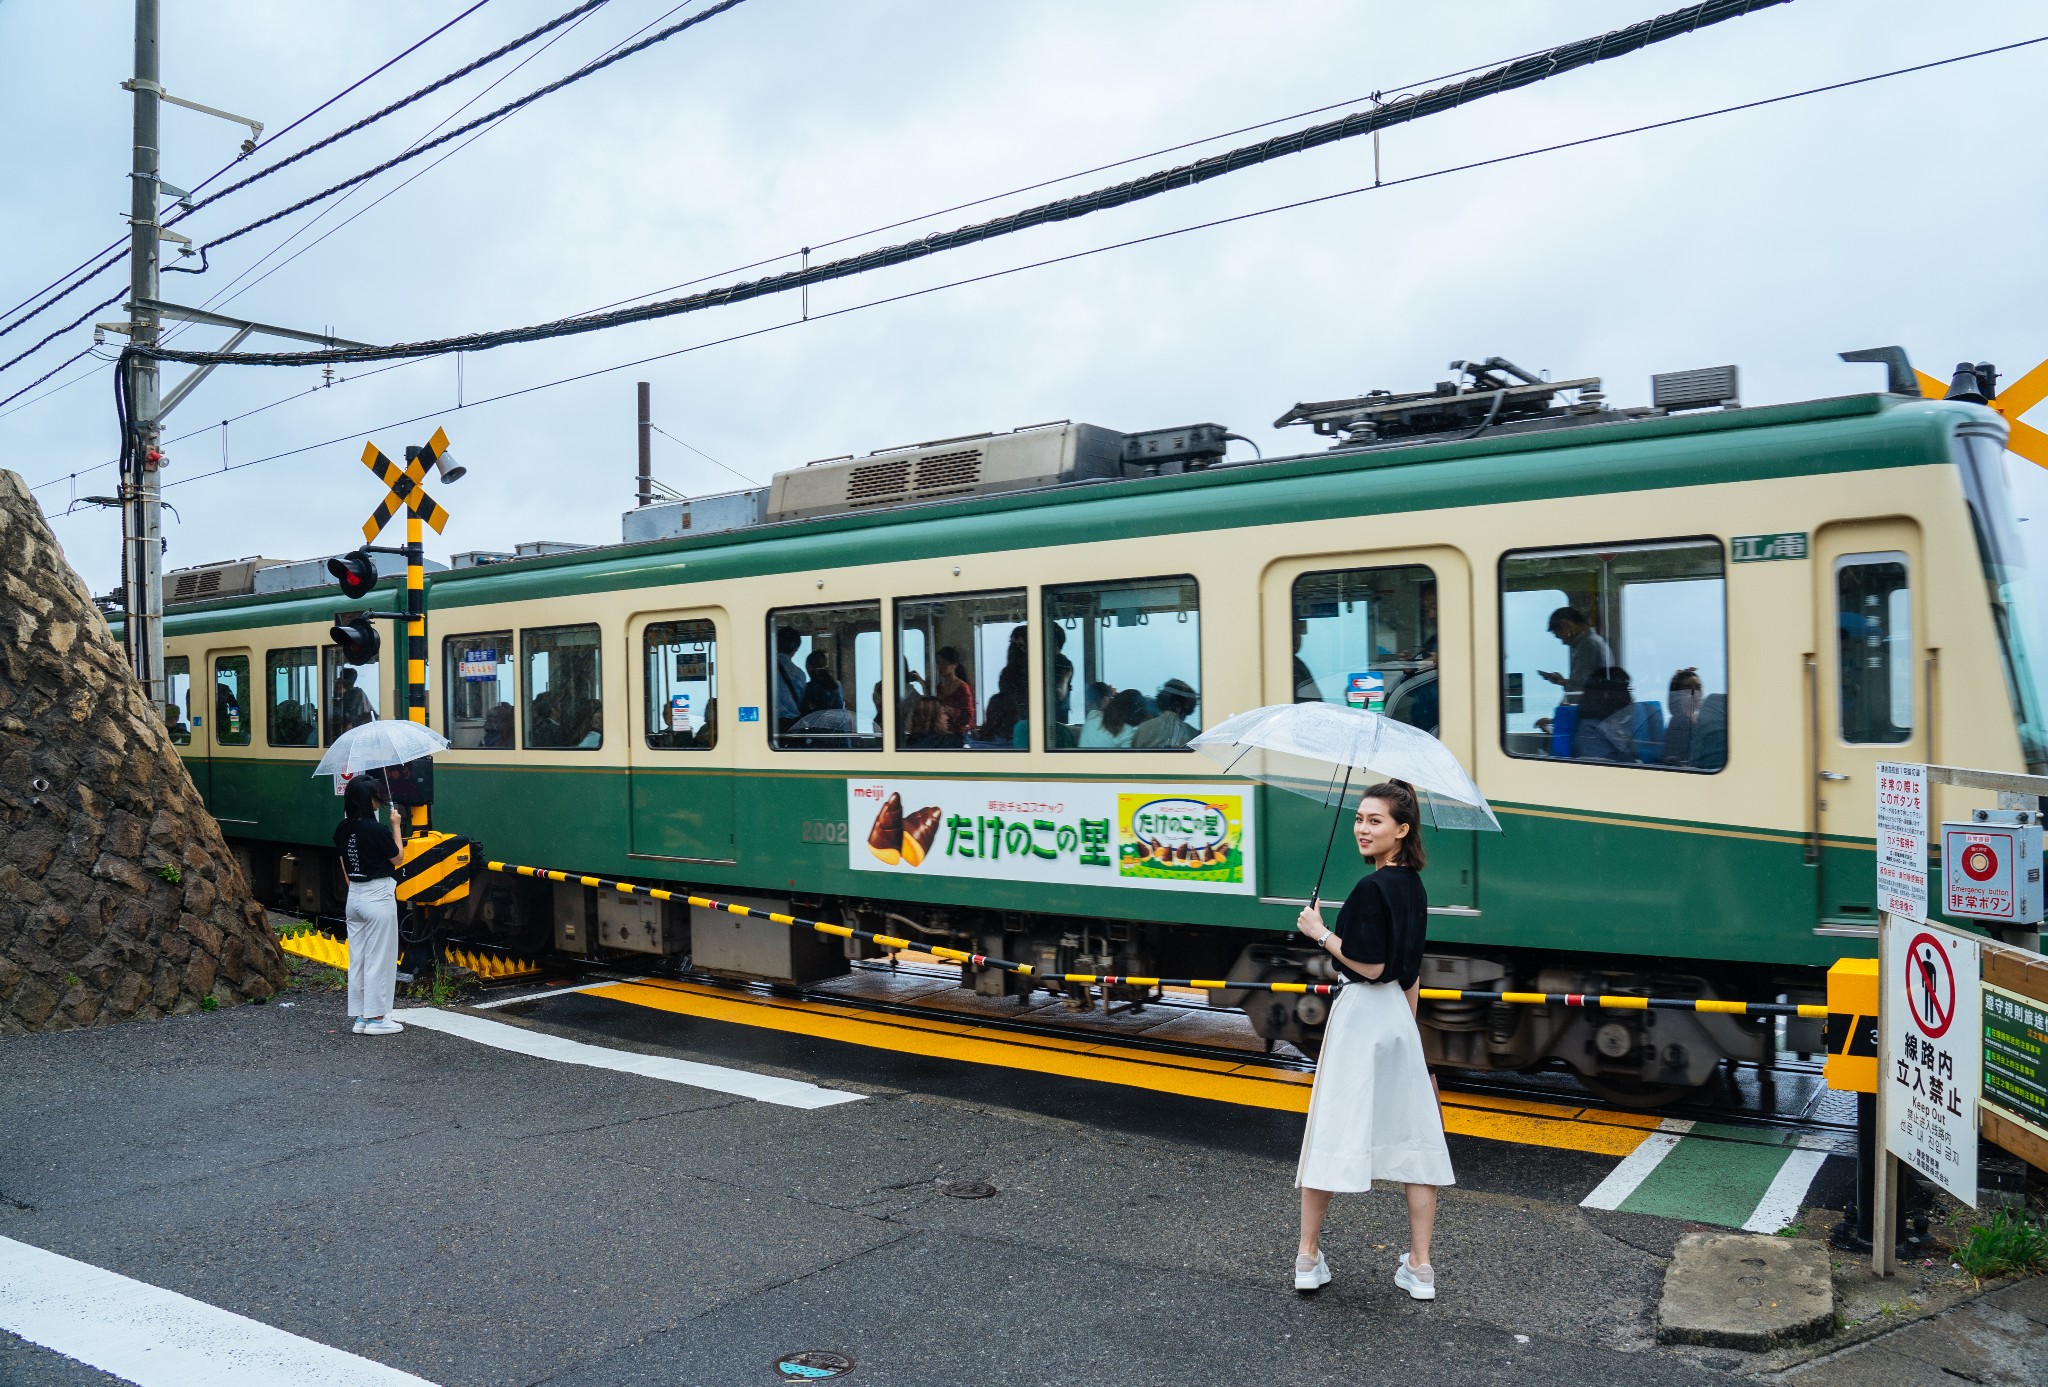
177,712
1866,691
225,704
1389,631
680,749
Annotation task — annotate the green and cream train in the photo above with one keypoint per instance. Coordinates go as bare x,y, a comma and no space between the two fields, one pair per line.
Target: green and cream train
943,691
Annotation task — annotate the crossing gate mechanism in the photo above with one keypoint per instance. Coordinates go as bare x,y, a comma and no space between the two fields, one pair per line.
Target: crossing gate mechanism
437,868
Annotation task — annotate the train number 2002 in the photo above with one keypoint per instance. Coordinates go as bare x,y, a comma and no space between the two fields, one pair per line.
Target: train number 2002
820,831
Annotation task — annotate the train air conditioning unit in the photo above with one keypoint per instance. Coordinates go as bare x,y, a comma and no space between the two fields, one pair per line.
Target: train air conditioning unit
232,578
984,464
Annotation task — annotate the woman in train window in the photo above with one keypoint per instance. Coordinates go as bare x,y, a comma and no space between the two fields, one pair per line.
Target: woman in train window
1373,1112
369,855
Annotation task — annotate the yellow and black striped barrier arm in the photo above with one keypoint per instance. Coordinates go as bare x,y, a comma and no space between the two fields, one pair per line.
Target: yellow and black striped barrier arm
1318,989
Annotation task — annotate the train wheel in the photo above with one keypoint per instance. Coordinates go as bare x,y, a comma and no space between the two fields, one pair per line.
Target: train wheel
1637,1093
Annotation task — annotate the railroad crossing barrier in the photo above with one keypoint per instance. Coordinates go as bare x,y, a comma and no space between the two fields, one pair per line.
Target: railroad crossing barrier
1608,1001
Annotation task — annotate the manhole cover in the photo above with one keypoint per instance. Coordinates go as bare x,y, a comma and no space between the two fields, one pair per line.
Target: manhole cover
967,1189
812,1364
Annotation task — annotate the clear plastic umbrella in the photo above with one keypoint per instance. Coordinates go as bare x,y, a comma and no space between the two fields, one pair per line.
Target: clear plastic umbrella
1319,750
376,745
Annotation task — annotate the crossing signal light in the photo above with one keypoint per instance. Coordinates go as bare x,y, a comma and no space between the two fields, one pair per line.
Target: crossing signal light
356,571
358,640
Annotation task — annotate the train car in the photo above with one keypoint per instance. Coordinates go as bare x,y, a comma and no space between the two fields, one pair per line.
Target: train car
943,692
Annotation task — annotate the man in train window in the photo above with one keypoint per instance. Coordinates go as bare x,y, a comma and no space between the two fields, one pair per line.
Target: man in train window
1171,728
790,680
1589,651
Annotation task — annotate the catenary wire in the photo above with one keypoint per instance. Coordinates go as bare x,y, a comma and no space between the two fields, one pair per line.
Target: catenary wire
1513,76
1098,250
750,481
117,246
10,399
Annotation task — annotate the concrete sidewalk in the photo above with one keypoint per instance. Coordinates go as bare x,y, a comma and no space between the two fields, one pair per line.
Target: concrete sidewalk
2000,1337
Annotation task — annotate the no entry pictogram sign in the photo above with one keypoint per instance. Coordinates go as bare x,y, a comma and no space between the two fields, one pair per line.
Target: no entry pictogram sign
1930,986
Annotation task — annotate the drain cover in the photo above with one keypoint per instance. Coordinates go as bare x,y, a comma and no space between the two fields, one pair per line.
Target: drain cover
811,1364
967,1189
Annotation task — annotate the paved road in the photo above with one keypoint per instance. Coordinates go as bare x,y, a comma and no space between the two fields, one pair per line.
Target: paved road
474,1216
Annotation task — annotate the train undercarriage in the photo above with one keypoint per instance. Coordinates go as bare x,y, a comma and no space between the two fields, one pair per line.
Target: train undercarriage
1636,1058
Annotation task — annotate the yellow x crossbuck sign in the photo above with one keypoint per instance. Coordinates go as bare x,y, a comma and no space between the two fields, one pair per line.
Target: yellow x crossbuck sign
2010,403
408,490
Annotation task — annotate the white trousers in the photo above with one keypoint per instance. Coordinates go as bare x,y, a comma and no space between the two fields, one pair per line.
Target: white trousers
372,946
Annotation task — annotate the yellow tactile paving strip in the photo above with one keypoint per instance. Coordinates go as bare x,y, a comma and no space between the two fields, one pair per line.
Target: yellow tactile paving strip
1103,1060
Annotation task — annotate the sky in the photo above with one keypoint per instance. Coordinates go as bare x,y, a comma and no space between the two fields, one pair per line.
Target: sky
1904,211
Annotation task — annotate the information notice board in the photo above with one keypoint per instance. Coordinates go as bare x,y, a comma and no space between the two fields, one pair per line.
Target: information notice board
1902,839
1930,1075
2016,1057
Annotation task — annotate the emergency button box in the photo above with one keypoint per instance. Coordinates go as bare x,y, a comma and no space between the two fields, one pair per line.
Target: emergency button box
1991,866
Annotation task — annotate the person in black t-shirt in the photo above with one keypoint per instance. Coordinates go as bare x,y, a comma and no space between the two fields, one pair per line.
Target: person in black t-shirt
370,854
1373,1112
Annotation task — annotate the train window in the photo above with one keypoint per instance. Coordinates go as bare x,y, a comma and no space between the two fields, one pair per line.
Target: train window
1367,637
1139,648
825,677
292,682
963,681
562,694
682,685
351,693
1616,654
178,699
1874,624
231,715
478,671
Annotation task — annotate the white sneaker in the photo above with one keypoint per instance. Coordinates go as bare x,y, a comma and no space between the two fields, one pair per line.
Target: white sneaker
1419,1282
1311,1276
355,1024
378,1025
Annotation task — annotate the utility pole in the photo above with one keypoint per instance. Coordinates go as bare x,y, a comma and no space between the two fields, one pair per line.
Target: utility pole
646,444
141,490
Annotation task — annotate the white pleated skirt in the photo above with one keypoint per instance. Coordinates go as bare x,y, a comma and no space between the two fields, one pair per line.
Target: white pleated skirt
1372,1114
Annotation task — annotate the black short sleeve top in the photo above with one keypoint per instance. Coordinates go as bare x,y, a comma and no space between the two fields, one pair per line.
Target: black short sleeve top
1385,919
366,849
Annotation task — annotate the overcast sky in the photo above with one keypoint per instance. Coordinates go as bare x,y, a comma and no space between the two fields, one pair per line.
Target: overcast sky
1906,211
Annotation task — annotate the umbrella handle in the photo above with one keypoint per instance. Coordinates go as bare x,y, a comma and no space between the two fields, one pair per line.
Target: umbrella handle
1315,896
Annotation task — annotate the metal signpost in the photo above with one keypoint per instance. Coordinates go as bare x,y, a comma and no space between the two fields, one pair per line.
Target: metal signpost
1955,1056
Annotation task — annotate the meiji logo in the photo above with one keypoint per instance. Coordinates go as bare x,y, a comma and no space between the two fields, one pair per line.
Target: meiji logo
873,792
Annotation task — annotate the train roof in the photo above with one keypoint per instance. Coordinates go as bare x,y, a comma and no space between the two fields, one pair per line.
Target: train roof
1841,434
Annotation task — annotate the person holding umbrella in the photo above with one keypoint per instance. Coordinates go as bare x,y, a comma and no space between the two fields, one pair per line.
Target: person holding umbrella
1373,1111
370,854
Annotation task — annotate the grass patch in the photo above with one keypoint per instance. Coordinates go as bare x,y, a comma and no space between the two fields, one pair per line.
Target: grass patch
2009,1245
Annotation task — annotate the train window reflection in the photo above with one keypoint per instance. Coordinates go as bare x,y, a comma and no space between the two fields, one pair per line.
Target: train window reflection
1367,637
825,677
682,685
561,688
1123,664
1616,654
178,699
292,681
231,714
351,690
963,682
478,671
1874,641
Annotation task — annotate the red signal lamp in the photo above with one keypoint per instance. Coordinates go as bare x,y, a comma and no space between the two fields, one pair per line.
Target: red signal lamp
356,571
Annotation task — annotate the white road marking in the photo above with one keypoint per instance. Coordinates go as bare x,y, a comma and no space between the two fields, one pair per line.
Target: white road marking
1781,1202
789,1093
158,1338
551,992
1636,1166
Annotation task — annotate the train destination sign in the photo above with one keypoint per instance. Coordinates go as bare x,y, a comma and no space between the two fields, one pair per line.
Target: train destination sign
1931,1072
2016,1058
1902,839
1092,833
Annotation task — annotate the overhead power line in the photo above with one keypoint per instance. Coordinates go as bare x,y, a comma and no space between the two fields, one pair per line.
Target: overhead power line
587,70
1512,76
1068,257
120,247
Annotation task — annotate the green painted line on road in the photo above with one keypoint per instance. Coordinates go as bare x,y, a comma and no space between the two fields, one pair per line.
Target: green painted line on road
1715,1174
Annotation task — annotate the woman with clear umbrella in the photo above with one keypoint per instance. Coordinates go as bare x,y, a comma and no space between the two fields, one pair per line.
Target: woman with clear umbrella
370,854
1373,1112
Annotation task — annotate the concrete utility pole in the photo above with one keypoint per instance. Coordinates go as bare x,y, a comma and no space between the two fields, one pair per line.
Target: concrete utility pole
646,444
141,494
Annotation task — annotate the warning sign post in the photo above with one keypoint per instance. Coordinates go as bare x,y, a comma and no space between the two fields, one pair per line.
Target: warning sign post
1902,839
